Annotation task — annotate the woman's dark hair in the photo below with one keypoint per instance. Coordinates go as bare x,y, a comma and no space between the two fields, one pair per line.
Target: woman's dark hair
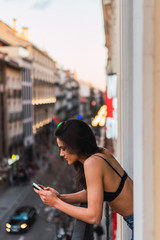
79,139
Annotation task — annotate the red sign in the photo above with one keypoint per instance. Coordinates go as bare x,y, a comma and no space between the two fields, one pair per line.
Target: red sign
109,104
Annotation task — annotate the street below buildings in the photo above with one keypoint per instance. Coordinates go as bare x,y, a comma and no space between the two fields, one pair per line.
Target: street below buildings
41,229
54,172
48,220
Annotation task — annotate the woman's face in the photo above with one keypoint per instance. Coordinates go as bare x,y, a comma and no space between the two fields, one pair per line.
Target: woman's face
66,154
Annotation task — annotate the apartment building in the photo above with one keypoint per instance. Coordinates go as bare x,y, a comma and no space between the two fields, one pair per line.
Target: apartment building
61,102
72,95
43,87
3,149
28,138
85,103
67,94
42,74
20,54
11,112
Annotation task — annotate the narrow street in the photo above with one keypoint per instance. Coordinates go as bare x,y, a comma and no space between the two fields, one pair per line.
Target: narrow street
51,174
42,229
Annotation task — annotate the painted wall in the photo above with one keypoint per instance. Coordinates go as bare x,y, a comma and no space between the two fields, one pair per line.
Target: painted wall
127,95
156,119
140,112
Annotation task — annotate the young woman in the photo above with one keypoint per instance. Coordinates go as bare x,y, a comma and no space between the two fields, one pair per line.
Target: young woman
98,172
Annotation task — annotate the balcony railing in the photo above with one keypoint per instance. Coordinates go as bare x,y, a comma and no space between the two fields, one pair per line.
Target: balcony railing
43,82
15,116
15,93
60,97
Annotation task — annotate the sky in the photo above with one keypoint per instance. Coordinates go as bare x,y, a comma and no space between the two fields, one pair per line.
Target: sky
71,31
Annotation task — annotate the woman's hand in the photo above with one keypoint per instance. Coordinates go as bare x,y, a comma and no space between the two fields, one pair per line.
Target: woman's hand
48,195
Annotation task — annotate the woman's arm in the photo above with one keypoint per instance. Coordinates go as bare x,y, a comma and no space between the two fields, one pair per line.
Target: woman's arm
93,213
78,197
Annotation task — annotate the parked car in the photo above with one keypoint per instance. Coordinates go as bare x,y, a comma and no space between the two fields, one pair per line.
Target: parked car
21,220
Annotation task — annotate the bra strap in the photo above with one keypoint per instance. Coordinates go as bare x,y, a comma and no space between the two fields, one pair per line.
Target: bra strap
109,164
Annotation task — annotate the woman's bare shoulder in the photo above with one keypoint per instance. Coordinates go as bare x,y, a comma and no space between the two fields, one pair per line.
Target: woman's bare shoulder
91,162
95,160
93,168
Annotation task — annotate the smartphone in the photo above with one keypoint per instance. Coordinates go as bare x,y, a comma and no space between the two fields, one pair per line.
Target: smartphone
36,186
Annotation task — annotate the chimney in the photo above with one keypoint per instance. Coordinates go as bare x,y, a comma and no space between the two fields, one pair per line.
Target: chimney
14,27
25,33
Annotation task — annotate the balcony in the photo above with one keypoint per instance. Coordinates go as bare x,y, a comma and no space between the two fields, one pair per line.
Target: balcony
15,116
43,101
60,96
43,82
16,140
14,93
57,84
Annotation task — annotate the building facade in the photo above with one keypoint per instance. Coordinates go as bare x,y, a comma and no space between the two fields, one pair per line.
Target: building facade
72,95
42,74
20,54
138,111
12,109
61,102
85,102
141,38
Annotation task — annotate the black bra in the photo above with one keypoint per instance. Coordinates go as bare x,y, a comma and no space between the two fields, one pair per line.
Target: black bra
110,196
